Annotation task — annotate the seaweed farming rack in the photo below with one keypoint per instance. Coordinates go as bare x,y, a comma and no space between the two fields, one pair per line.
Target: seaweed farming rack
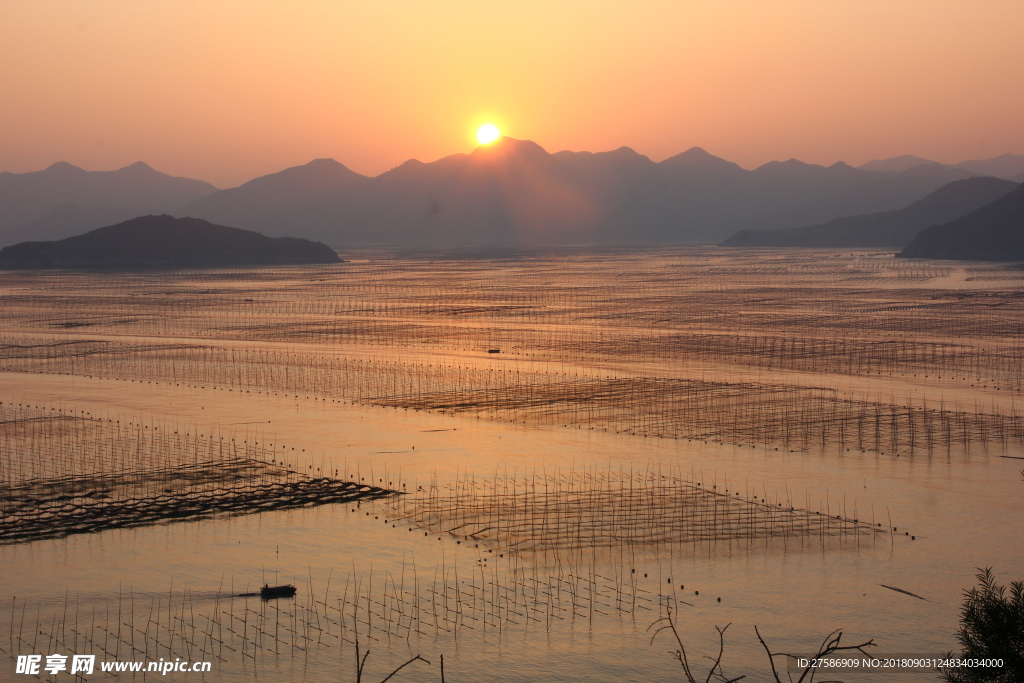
580,511
64,472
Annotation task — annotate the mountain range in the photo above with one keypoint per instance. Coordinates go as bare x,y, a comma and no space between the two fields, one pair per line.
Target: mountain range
512,192
37,204
516,193
1006,166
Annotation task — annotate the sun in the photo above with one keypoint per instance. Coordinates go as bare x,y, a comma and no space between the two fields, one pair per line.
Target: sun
487,133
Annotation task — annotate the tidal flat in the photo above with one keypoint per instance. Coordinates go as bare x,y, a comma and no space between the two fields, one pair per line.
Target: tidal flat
551,451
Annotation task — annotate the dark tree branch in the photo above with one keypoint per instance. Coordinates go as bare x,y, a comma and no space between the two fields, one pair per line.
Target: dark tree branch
829,646
715,672
771,658
403,666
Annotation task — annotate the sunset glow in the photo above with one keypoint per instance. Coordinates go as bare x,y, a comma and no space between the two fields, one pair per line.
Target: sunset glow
264,86
487,133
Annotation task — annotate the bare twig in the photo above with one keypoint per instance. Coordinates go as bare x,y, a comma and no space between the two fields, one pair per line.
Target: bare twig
715,672
829,646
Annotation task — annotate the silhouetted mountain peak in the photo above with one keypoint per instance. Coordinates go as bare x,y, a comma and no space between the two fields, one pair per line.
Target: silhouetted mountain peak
406,165
327,163
306,180
788,166
62,168
411,168
953,197
506,148
624,152
623,157
694,155
697,158
794,168
261,196
325,172
138,167
788,163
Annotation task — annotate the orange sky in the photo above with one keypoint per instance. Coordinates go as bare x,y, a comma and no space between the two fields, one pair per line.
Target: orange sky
226,90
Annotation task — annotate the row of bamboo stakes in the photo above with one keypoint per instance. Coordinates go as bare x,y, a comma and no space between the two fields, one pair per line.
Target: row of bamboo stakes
841,298
752,412
444,607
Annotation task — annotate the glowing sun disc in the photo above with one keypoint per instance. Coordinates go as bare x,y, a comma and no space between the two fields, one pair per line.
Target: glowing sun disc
487,133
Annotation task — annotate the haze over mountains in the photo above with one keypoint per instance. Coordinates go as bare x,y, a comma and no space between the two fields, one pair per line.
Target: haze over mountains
514,192
274,198
69,200
1006,166
510,193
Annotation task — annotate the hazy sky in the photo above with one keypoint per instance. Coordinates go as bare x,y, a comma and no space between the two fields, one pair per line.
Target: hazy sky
226,90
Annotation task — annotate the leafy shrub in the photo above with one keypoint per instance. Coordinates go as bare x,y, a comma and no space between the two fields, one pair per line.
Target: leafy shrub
991,627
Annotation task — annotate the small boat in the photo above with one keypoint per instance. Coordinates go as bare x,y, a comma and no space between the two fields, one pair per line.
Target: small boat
268,592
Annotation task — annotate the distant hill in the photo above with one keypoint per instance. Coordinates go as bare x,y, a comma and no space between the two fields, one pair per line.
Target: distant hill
165,242
886,229
515,193
1009,166
895,164
130,191
1006,166
992,233
698,159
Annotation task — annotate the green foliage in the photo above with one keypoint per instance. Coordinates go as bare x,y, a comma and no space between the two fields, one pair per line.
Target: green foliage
991,627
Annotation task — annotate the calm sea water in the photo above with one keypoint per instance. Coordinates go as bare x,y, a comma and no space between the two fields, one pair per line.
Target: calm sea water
964,512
